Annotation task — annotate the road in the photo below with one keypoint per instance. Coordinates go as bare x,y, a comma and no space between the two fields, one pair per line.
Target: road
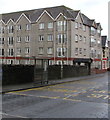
79,99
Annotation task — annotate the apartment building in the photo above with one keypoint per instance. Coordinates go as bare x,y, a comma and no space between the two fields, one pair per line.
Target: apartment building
105,52
108,53
59,34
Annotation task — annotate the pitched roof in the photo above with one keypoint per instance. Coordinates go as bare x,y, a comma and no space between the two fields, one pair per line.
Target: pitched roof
33,15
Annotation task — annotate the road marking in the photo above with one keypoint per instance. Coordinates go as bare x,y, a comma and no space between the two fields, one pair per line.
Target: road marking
99,96
56,97
14,115
75,100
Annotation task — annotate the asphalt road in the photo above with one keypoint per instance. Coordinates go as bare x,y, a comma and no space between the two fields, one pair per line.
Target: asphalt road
79,99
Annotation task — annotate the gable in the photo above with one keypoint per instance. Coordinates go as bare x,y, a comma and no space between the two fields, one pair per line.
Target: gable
23,16
45,14
79,18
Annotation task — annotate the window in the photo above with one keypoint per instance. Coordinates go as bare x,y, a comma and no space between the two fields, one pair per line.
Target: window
27,38
76,25
62,38
41,26
10,29
2,40
76,51
93,31
93,42
80,25
2,52
61,52
93,53
27,50
80,37
50,37
99,32
28,27
50,25
41,37
2,30
18,50
84,28
76,38
10,40
61,25
10,52
84,52
40,50
18,39
80,50
84,39
99,43
49,50
19,27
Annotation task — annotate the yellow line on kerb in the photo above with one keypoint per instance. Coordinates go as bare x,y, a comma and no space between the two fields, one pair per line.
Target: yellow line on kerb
26,90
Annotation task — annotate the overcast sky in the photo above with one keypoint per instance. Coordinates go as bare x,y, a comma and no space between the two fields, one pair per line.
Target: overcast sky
94,9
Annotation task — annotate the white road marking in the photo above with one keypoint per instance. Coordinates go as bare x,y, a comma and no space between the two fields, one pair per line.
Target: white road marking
14,115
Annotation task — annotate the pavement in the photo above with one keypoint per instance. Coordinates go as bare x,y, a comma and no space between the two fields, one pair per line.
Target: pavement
10,88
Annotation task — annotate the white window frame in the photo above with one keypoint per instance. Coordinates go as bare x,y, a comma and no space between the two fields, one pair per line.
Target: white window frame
41,50
27,50
27,38
76,38
2,40
61,25
28,26
10,40
41,26
18,27
84,39
49,37
80,37
76,51
80,50
76,25
18,39
61,38
18,50
49,50
50,25
85,50
84,27
62,52
11,52
2,52
41,37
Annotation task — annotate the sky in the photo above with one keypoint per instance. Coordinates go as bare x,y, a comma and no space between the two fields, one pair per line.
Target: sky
94,9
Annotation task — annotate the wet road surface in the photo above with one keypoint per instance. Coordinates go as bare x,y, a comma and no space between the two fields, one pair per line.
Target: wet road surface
79,99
